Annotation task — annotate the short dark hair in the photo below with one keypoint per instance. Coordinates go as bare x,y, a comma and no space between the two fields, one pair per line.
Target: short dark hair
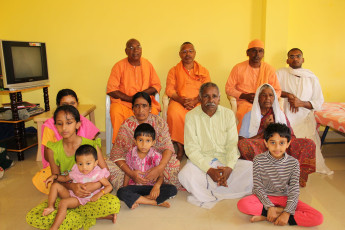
68,109
143,95
145,129
63,93
294,49
86,150
282,129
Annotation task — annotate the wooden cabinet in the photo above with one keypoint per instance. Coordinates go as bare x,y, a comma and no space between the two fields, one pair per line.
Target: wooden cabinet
22,140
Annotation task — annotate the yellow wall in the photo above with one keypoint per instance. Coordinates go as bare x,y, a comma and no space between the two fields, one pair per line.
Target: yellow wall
318,27
85,38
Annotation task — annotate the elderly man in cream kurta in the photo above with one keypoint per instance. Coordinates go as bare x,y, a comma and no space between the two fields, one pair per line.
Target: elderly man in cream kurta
213,171
302,95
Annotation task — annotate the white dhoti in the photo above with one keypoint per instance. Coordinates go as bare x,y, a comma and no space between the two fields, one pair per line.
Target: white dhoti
206,193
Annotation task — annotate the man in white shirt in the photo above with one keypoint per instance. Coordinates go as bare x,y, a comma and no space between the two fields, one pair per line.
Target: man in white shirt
302,95
213,171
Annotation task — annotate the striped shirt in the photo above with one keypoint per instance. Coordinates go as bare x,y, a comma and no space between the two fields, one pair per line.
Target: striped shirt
276,177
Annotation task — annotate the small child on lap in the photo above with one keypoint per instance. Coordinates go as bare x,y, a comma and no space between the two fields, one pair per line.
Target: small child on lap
85,170
142,158
276,185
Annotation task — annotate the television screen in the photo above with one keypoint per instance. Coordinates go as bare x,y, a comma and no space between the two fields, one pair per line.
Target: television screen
26,61
23,64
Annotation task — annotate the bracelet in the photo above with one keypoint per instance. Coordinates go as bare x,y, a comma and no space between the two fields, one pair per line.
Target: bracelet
103,191
57,175
121,165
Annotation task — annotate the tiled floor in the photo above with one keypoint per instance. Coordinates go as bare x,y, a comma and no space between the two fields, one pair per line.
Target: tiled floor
325,193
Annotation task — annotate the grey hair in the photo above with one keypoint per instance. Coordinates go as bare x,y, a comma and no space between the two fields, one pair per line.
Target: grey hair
265,86
207,85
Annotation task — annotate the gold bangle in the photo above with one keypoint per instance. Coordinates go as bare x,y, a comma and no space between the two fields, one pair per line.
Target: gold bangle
121,165
103,191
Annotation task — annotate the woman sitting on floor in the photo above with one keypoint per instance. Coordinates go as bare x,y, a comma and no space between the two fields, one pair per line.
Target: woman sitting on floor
266,110
124,142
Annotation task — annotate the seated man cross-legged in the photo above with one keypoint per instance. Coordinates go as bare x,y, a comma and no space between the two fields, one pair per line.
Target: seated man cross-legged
213,171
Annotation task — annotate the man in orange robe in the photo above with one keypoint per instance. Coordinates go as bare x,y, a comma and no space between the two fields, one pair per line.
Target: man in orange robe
129,76
247,76
183,83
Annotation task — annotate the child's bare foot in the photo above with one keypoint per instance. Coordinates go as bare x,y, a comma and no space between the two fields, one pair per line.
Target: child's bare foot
257,218
114,218
47,211
135,205
164,204
111,217
279,210
149,197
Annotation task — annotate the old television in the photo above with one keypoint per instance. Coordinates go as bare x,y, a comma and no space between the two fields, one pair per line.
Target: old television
23,65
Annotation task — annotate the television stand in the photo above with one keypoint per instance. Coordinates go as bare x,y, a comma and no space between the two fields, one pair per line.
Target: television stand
21,140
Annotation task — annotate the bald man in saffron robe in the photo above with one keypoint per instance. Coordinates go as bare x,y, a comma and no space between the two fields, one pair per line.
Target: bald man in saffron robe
129,76
182,87
247,76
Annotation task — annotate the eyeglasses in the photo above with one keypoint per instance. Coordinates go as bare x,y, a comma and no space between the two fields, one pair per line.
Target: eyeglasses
134,48
187,51
295,56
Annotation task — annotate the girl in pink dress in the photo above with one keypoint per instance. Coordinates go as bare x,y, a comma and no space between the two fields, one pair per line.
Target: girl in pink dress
85,170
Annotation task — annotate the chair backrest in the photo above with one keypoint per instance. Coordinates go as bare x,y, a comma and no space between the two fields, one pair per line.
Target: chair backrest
109,126
165,104
233,105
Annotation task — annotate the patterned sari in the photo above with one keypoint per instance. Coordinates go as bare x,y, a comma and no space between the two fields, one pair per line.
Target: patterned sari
125,142
302,149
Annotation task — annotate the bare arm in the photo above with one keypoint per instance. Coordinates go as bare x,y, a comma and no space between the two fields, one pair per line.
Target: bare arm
119,95
125,180
188,103
155,191
107,189
154,172
248,97
135,175
285,94
178,99
101,161
59,178
150,91
49,156
295,102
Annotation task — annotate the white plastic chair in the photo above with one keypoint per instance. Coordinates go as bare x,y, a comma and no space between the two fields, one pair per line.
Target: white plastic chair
109,126
165,104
